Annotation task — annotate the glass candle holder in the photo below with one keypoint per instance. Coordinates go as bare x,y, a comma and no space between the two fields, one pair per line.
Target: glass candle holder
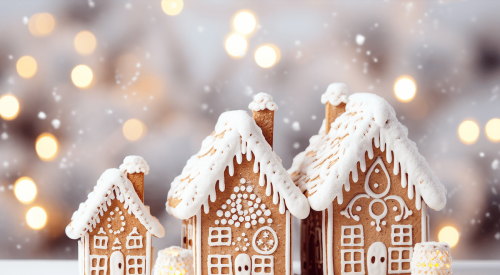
431,258
174,260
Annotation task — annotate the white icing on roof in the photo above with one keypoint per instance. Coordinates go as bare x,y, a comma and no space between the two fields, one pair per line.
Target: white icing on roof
323,169
336,93
112,184
236,133
180,259
262,101
134,164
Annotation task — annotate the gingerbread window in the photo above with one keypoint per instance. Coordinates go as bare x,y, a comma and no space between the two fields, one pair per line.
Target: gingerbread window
134,240
98,265
220,264
219,236
352,261
262,265
401,235
399,259
352,235
136,265
101,242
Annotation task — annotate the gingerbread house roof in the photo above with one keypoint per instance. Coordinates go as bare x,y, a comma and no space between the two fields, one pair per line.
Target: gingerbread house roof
236,133
89,212
323,169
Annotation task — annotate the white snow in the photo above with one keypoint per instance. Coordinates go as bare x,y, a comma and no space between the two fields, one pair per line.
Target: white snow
495,164
262,101
112,184
336,93
42,115
134,164
324,168
360,39
56,123
236,133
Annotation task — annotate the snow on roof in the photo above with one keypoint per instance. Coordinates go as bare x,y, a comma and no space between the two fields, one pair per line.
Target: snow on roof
134,164
112,184
262,101
236,133
336,93
323,169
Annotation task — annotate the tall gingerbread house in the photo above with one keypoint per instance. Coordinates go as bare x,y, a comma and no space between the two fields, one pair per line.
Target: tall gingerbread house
368,187
113,226
236,199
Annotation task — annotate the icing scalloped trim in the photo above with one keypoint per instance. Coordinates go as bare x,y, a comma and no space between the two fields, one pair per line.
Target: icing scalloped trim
262,101
336,93
134,164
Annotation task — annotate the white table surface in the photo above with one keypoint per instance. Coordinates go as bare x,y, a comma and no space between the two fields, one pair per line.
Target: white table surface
70,267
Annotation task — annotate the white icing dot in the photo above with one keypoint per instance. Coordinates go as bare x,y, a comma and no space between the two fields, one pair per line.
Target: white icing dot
245,196
262,206
254,222
120,212
110,231
122,229
123,223
219,213
258,200
117,209
239,207
256,205
238,239
121,218
247,225
238,200
224,206
252,196
223,221
237,224
230,222
372,223
248,244
239,196
270,220
245,212
247,218
250,203
267,212
241,219
243,234
228,214
262,220
109,219
233,196
376,170
249,189
111,213
251,209
253,216
240,212
237,249
395,208
228,201
109,225
234,217
233,204
242,188
375,185
245,239
216,221
236,189
245,249
243,180
384,222
233,243
259,212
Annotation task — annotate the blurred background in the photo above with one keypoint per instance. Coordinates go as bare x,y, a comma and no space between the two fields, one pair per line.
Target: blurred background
85,83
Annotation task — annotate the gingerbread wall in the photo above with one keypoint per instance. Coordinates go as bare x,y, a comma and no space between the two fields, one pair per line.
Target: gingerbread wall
378,183
116,224
278,223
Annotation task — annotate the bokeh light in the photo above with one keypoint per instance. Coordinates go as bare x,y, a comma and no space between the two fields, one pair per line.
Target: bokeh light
266,56
449,234
244,22
134,129
172,7
36,217
26,66
41,24
492,129
405,89
85,43
46,146
25,190
9,107
236,45
82,76
468,131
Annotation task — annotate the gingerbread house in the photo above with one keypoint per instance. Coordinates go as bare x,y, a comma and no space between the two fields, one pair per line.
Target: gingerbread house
236,199
113,226
369,189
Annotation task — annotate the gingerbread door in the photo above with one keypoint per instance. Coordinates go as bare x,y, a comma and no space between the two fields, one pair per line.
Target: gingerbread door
116,265
377,259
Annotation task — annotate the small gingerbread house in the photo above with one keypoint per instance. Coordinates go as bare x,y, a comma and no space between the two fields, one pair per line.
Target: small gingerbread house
235,198
114,226
363,159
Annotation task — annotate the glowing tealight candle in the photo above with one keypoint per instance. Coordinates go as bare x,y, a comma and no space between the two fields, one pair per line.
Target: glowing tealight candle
36,218
133,129
25,190
9,107
26,66
172,7
244,22
449,234
468,131
82,76
236,45
46,146
266,56
492,130
405,89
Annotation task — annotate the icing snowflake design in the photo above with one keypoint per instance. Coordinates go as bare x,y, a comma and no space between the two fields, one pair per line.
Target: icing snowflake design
265,240
243,208
121,221
242,243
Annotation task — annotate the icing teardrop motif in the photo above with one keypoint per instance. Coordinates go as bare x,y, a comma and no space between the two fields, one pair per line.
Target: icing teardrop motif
369,191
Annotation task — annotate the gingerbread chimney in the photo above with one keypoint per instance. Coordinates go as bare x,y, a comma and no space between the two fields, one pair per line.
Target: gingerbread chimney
335,99
135,168
263,108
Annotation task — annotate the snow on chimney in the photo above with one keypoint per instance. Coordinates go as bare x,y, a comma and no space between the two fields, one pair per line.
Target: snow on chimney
335,99
263,108
135,168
